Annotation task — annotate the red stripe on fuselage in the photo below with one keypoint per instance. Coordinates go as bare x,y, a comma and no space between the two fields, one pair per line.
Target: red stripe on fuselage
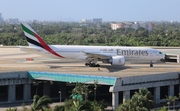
46,46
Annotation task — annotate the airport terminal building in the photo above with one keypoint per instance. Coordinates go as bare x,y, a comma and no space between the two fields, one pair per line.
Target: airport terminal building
21,86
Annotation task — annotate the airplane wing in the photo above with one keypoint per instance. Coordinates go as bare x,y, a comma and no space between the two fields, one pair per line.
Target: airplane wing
97,55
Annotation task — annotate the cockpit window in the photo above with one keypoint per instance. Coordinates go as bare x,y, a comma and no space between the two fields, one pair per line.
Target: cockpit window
160,52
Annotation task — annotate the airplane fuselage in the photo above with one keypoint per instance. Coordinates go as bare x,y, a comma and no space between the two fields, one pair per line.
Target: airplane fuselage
79,52
115,55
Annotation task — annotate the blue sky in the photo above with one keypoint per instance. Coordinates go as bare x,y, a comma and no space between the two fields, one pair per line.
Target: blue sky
75,10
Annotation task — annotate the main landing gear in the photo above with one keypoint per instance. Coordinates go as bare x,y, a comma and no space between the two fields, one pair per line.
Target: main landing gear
92,65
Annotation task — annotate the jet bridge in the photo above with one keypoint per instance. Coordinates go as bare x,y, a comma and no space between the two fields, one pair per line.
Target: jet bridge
172,53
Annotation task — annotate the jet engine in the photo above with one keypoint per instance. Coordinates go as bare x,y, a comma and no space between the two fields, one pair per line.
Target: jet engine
117,60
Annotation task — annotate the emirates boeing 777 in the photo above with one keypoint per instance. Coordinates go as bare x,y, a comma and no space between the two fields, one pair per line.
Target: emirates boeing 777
114,55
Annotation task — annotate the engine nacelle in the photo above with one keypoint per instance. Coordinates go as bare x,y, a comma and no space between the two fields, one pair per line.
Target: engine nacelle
117,60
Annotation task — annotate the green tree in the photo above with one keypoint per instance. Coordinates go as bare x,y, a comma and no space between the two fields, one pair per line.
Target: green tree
164,108
11,109
147,98
126,106
140,101
174,99
98,105
77,105
95,88
81,89
169,99
131,105
164,34
59,108
39,103
68,104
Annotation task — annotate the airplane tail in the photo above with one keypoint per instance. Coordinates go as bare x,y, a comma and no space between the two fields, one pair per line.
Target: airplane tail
34,40
32,37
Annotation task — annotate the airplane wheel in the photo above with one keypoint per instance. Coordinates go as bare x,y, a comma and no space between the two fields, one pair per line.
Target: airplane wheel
94,65
86,64
151,65
91,65
97,65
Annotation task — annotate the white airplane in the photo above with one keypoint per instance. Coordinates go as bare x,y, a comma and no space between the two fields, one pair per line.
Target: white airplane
114,55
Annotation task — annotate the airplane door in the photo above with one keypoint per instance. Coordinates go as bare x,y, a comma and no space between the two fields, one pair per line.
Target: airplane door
151,53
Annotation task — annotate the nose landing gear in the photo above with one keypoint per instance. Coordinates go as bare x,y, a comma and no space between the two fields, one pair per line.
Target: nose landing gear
151,64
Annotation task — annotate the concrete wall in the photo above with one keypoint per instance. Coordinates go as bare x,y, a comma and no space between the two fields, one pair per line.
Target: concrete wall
12,78
146,81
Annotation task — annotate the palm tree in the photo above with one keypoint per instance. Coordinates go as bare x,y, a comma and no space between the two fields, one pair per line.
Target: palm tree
174,99
86,91
68,104
77,105
98,105
81,89
126,106
39,103
95,88
140,101
11,109
164,108
132,105
169,99
147,98
59,108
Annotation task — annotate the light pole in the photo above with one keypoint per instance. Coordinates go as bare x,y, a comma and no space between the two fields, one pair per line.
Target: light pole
60,96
